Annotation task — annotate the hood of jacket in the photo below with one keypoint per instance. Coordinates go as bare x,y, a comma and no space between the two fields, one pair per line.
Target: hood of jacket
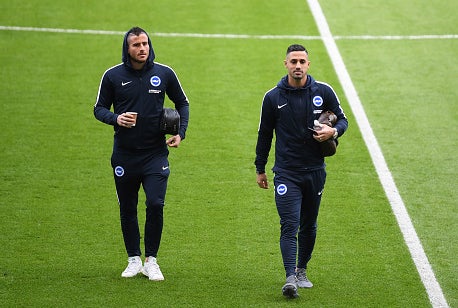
125,54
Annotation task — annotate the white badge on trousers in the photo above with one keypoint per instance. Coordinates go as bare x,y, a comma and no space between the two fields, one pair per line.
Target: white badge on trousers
119,171
282,189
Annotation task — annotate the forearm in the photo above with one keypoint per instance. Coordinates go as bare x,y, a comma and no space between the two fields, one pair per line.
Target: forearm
105,115
183,110
262,152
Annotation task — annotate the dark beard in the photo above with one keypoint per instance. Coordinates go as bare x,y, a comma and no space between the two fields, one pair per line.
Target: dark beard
137,61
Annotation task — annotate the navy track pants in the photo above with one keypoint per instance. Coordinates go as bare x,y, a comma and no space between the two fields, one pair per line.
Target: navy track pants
130,172
298,197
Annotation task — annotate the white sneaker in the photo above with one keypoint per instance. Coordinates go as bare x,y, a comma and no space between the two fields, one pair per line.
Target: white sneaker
133,268
152,270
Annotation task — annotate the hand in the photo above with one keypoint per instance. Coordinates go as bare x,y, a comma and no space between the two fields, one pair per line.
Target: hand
126,120
323,132
174,141
261,179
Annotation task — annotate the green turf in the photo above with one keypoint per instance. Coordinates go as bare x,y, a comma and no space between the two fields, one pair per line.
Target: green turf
60,235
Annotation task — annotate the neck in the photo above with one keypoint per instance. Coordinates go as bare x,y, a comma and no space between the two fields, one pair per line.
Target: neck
297,83
136,65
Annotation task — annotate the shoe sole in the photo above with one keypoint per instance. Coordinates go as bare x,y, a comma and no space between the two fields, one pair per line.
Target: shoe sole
130,276
290,291
305,287
156,279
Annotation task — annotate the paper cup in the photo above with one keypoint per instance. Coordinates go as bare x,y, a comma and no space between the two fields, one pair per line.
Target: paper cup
135,116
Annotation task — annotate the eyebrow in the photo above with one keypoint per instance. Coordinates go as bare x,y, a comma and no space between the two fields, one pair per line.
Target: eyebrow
140,43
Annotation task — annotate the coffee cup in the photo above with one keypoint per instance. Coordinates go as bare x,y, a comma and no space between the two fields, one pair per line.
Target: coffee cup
134,114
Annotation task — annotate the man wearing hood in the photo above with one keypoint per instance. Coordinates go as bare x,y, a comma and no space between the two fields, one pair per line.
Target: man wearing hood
290,109
140,154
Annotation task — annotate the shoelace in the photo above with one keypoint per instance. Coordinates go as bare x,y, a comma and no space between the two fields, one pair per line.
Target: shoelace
301,275
152,266
133,263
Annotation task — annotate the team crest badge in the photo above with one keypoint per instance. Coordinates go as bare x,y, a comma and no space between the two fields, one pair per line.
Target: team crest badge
282,189
119,171
155,81
317,101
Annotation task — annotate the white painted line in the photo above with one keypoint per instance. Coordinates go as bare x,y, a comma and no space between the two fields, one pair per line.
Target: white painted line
397,37
195,35
237,36
55,30
234,36
414,245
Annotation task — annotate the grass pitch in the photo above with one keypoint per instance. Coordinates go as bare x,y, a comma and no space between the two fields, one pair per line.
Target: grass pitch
60,233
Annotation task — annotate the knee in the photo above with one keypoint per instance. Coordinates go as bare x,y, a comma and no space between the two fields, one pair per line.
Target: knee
289,228
309,226
154,205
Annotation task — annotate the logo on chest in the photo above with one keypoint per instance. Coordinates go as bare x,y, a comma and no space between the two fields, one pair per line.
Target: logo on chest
155,81
317,101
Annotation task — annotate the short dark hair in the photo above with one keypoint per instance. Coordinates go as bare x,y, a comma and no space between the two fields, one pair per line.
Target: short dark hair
136,31
296,47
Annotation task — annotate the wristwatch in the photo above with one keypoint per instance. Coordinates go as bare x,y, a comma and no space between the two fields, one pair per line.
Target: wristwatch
260,172
336,134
